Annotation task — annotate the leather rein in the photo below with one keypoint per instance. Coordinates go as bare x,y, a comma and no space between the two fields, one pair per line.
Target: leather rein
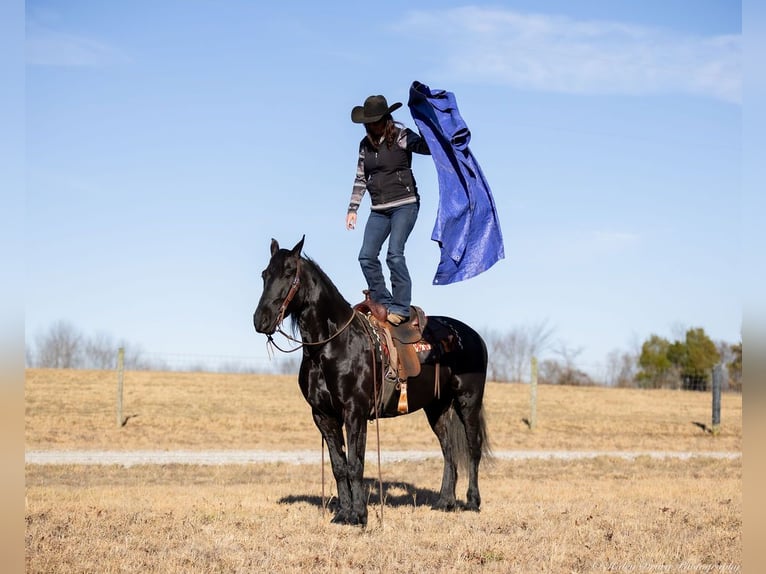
281,317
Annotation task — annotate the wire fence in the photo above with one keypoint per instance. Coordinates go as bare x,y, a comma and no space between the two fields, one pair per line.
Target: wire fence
133,360
550,371
218,363
65,346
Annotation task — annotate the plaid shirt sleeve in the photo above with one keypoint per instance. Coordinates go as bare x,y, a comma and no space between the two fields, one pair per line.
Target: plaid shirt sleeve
360,184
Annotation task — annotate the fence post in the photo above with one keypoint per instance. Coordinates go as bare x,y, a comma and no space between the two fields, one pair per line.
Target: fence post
120,372
533,395
717,384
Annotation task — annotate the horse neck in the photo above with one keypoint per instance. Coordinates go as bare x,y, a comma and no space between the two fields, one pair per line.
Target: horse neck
323,309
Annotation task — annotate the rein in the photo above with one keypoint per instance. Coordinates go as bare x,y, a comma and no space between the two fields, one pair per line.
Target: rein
308,343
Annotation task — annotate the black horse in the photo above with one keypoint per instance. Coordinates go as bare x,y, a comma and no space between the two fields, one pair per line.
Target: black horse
340,374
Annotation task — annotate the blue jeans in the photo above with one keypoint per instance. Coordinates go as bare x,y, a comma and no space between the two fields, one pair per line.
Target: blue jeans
396,224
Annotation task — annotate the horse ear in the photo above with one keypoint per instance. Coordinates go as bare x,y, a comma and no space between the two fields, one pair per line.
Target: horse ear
298,247
274,246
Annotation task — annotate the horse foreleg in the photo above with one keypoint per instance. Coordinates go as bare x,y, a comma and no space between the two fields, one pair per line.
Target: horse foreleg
356,432
438,416
333,436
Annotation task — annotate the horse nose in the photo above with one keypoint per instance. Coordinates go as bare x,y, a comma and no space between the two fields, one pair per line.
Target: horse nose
261,322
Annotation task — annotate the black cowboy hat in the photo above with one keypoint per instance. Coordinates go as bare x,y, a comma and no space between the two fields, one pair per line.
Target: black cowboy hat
374,108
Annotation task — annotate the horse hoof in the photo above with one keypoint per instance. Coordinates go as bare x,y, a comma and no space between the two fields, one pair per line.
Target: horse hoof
348,519
340,518
445,505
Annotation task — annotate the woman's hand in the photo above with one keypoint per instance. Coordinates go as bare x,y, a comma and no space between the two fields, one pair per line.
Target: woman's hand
351,220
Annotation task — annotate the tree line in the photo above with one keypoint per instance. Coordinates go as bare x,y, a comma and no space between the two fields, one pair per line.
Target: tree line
686,363
64,346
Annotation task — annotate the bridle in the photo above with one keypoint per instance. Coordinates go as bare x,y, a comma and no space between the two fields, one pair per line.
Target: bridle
294,285
290,294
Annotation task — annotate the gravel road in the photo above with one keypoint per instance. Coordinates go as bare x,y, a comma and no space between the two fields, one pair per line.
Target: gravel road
224,457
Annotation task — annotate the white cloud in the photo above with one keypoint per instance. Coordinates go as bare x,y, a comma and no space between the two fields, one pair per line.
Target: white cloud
559,54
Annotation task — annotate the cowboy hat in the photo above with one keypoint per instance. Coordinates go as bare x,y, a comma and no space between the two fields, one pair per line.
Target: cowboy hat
374,108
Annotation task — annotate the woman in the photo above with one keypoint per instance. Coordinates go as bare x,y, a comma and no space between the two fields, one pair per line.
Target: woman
384,169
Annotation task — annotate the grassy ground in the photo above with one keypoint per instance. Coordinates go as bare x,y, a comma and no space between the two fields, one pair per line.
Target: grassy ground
597,515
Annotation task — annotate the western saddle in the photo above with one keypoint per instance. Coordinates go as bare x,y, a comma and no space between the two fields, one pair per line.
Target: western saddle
400,345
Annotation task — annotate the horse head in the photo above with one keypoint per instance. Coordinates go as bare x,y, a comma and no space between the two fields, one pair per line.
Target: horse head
281,279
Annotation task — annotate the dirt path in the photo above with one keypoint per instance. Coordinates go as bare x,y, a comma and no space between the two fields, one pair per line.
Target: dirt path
225,457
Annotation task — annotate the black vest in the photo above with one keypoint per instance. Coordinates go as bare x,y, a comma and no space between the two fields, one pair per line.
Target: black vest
388,174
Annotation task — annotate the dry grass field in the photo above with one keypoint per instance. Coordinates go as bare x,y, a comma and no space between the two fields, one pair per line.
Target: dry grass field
596,515
70,409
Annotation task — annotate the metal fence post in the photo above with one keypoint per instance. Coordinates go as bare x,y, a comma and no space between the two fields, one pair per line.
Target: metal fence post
718,371
120,372
533,395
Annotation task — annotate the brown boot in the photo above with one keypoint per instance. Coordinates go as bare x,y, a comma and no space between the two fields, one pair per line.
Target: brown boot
396,319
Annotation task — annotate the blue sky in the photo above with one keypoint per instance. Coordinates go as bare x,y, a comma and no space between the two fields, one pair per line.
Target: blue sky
168,142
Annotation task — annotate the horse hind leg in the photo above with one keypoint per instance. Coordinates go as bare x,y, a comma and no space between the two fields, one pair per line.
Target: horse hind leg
439,415
470,414
473,497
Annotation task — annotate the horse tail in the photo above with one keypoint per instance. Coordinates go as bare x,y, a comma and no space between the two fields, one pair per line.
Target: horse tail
458,439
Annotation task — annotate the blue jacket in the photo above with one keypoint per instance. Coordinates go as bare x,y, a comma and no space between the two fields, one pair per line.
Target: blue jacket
467,228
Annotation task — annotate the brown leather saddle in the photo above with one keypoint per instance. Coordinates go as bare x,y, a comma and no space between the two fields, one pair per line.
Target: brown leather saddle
400,341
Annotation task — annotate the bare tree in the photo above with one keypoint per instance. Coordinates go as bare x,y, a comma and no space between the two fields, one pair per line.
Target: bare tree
135,360
510,353
61,347
100,352
564,371
496,368
621,369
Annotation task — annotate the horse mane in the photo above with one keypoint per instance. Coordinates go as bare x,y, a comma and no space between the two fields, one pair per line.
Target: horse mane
326,280
332,290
